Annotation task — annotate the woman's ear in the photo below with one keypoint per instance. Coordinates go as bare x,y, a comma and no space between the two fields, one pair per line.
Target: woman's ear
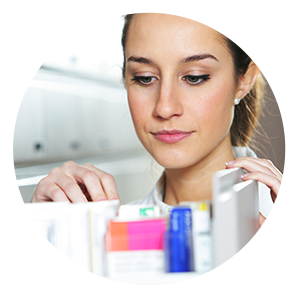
247,81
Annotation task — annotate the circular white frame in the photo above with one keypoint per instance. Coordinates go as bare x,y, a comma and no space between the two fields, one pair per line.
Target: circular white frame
279,203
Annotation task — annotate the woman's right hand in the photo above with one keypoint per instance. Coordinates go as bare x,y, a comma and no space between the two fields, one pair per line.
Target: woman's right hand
76,184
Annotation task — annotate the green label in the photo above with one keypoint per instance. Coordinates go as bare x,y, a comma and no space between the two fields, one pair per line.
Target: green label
146,211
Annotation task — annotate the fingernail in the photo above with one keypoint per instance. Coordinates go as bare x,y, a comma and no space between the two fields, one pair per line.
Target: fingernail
100,199
245,176
230,162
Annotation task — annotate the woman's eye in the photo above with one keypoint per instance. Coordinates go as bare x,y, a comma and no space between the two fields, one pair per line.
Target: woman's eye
196,79
143,80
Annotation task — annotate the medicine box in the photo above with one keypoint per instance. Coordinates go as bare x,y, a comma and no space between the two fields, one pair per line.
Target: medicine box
135,246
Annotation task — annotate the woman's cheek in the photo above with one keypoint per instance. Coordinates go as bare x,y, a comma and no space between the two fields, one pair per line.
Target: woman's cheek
138,111
215,112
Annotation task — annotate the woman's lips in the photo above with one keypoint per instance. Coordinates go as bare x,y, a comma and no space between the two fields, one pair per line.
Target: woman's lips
171,136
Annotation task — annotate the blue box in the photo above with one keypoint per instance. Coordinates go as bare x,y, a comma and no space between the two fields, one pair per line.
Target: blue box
180,240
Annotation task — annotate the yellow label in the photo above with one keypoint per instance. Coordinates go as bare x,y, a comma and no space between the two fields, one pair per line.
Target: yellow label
202,206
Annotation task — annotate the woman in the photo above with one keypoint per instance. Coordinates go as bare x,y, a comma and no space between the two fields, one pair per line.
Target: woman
194,99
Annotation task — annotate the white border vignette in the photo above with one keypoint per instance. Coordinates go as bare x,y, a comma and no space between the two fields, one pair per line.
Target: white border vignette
276,210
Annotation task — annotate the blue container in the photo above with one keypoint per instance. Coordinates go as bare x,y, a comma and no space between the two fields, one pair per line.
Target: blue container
180,240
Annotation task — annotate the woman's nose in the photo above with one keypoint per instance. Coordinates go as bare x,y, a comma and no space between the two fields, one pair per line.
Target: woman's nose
168,102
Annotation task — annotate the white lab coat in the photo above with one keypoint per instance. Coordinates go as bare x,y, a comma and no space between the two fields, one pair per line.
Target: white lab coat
276,274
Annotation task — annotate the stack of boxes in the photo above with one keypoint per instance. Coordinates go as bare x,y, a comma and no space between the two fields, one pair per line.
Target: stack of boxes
109,240
137,242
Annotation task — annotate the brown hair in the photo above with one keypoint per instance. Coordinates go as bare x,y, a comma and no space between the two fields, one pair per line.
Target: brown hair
248,111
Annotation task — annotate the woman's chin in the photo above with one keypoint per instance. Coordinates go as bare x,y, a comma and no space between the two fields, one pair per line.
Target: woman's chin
173,163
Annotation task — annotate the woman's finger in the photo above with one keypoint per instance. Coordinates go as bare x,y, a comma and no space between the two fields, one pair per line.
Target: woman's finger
56,194
89,178
255,164
107,181
48,191
75,183
271,181
100,185
67,185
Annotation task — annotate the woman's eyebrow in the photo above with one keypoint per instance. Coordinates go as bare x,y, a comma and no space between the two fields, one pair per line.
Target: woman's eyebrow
189,59
198,57
140,59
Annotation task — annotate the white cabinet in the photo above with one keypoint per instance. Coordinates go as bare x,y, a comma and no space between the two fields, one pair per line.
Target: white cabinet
30,137
63,129
65,118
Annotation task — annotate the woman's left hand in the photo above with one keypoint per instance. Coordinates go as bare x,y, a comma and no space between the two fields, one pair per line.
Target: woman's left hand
261,170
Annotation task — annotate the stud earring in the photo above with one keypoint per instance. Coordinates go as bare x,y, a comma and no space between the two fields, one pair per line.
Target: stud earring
237,101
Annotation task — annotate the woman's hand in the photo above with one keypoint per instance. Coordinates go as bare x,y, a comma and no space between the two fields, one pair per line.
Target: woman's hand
76,184
261,170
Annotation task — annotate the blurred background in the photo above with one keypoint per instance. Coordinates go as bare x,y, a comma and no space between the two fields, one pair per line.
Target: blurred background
270,141
76,109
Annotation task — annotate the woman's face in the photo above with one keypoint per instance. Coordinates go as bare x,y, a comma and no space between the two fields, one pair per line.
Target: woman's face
181,88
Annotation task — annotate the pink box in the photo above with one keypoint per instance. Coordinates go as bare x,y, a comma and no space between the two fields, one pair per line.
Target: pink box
146,234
